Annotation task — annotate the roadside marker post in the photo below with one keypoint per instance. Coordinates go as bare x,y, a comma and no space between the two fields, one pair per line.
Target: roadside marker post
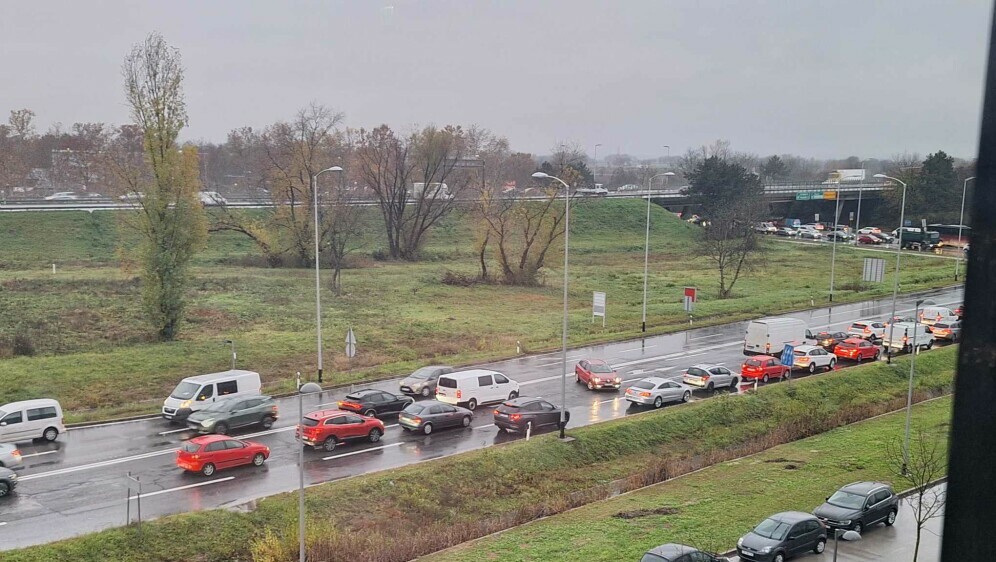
598,306
787,359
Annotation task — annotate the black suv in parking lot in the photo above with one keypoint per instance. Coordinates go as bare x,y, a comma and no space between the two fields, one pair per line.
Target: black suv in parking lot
859,505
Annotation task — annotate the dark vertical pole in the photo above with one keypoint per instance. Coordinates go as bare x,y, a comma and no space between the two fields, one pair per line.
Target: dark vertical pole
971,494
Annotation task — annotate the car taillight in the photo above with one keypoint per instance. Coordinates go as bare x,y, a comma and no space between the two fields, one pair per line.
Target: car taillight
417,420
515,417
704,377
273,408
803,360
645,394
867,330
16,452
496,412
459,394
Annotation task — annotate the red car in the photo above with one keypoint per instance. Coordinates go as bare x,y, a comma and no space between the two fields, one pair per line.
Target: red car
764,367
596,374
327,428
868,239
211,453
857,349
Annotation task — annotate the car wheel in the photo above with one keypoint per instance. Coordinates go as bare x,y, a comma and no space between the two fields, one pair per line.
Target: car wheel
427,428
329,444
258,459
658,402
374,435
821,545
859,358
370,413
4,489
51,434
472,404
577,378
466,421
778,558
812,368
513,395
858,527
878,353
686,396
930,344
833,362
764,379
208,469
591,385
221,428
711,387
891,519
425,392
734,383
787,374
267,422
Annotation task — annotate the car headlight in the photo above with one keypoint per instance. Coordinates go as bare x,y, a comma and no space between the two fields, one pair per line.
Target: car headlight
740,541
845,522
765,550
185,404
416,386
207,422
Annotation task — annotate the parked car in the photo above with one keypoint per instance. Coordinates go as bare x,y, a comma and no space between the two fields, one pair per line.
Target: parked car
857,349
62,196
828,340
209,198
679,553
8,481
839,236
931,314
904,335
786,231
869,239
596,374
31,419
781,536
948,329
327,429
230,413
9,455
870,230
516,415
210,453
810,234
884,237
475,386
764,367
859,505
428,415
375,403
709,377
655,391
813,357
867,329
422,382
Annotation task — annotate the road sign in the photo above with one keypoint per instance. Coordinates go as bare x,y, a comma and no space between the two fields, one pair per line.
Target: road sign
598,306
691,294
802,196
830,195
788,355
350,343
874,270
817,217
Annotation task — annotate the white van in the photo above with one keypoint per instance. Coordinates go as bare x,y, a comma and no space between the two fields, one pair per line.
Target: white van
196,393
768,336
31,419
900,336
476,386
931,314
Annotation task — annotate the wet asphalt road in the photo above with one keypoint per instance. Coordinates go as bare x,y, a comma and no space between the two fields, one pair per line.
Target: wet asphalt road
79,483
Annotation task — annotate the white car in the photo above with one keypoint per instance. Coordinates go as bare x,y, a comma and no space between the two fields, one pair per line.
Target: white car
10,456
655,391
812,357
132,196
709,377
62,196
867,329
598,191
212,198
870,230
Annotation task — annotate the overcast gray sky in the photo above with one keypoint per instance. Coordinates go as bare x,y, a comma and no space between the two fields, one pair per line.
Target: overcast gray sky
817,78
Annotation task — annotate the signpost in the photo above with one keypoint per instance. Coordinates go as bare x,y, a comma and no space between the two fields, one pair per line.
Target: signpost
598,307
134,483
689,299
350,343
788,357
874,270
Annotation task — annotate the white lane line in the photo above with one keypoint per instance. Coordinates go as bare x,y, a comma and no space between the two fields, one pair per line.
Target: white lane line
174,431
609,400
38,454
641,348
361,452
188,486
391,425
2,523
100,464
663,369
483,426
710,336
545,379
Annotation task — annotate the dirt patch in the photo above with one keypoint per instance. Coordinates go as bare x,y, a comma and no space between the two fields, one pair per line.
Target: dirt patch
645,512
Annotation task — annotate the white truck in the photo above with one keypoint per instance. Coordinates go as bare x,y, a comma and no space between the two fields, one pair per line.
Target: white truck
768,336
845,176
902,335
436,190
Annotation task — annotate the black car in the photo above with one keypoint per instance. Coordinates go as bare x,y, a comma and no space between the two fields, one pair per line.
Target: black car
829,340
227,414
8,481
375,403
859,505
679,553
781,536
518,414
429,415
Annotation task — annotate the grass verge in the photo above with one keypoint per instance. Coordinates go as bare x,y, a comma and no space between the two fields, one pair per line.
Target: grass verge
399,514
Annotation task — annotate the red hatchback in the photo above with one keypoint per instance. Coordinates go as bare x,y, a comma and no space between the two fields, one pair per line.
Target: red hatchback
596,374
857,349
327,428
764,367
211,453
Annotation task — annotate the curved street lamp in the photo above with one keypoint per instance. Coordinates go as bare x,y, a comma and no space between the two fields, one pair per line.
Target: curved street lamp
646,247
899,249
318,286
567,233
961,222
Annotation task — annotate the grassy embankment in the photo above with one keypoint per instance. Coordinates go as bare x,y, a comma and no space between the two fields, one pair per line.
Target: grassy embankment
94,353
415,510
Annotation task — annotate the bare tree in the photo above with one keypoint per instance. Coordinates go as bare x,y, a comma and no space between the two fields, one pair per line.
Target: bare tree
343,228
16,138
921,468
168,215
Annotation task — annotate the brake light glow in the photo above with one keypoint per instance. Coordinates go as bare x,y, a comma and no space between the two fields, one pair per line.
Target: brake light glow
16,452
867,330
803,360
459,394
496,412
645,395
416,420
704,377
515,417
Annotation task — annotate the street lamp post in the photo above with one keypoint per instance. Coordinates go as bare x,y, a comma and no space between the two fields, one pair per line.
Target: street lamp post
318,285
646,247
909,392
833,255
899,250
594,164
567,233
232,343
307,388
961,221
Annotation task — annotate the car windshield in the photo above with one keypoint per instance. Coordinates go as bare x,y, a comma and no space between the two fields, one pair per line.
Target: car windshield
772,529
858,326
414,409
695,371
798,352
643,384
185,390
447,383
940,325
189,447
650,557
309,422
422,373
600,368
749,363
357,397
841,498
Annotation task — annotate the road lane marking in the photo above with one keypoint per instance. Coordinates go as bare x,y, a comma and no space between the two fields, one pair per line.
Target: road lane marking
707,337
641,348
38,454
609,400
101,464
2,523
363,451
188,486
174,431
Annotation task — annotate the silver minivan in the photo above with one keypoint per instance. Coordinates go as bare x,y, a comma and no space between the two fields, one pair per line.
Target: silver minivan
31,419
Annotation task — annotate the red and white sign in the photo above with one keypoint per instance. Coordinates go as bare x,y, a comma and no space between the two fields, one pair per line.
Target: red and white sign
689,299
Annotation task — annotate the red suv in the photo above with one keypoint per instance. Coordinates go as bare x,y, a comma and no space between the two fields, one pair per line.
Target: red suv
764,367
214,452
857,349
327,428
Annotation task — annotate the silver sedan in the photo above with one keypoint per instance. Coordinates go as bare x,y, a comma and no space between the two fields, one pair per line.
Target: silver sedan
655,391
9,456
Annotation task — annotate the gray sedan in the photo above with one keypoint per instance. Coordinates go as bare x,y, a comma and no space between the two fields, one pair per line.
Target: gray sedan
9,456
429,415
423,381
655,391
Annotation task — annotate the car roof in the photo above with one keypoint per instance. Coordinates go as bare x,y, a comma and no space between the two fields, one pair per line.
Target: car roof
210,438
671,550
655,380
792,516
523,400
854,341
471,373
430,403
212,377
28,404
806,347
863,487
365,391
330,413
760,357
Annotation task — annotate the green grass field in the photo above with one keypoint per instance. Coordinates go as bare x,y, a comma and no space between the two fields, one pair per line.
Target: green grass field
95,353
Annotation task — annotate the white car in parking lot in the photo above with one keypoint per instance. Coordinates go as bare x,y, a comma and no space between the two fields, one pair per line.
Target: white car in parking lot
812,357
